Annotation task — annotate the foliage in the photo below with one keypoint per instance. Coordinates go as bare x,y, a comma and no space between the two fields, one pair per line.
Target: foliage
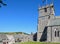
13,33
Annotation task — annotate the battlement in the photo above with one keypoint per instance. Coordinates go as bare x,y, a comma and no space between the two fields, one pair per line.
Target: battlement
47,6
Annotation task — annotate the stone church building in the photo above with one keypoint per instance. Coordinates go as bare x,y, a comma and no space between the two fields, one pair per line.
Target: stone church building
48,24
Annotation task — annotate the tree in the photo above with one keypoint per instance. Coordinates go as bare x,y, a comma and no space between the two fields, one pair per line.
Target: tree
1,2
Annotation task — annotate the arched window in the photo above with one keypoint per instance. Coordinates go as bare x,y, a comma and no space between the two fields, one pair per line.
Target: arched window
56,32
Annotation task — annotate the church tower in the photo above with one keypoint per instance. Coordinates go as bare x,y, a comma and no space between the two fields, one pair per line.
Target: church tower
45,14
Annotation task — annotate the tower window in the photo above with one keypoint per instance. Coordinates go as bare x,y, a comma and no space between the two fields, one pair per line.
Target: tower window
45,9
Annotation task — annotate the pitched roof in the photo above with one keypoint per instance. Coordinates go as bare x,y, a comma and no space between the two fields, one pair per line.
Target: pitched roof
54,22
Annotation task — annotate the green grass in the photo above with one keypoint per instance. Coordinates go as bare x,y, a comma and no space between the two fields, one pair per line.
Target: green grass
36,43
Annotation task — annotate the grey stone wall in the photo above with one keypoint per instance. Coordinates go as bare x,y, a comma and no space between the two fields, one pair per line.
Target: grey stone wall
51,34
23,38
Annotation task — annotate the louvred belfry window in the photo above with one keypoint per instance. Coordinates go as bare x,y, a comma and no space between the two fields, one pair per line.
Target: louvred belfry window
45,9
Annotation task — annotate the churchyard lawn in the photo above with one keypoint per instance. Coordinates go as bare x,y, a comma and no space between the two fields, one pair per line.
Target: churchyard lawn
36,43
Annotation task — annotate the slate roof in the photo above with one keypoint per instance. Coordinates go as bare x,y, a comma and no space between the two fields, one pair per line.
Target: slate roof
54,22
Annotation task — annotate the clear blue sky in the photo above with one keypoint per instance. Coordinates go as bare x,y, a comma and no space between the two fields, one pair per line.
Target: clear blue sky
21,15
